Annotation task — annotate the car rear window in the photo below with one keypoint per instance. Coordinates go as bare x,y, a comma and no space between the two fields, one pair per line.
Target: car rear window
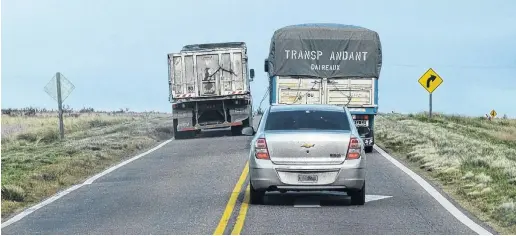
309,119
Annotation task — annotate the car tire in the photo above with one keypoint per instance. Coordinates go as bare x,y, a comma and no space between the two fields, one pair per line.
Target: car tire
358,196
368,149
255,196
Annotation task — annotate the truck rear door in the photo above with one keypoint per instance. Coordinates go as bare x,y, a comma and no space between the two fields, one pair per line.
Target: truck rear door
292,90
206,74
182,76
354,92
233,73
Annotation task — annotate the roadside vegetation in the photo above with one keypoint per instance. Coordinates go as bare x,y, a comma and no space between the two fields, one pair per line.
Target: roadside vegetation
472,159
36,164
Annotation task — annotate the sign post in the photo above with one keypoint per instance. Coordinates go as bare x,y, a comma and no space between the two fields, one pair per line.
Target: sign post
430,81
59,88
60,105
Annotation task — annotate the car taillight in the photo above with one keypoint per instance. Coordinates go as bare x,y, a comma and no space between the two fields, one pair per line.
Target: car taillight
261,150
354,149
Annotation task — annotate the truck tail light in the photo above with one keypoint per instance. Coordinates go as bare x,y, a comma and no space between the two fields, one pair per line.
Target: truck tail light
261,150
360,117
354,149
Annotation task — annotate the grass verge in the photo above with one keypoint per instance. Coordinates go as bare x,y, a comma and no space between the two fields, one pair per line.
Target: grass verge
472,158
36,164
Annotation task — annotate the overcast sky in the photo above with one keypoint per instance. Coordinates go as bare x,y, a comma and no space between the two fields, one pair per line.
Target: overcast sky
114,52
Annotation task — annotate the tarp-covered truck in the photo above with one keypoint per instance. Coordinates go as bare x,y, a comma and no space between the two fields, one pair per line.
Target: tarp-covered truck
209,87
327,64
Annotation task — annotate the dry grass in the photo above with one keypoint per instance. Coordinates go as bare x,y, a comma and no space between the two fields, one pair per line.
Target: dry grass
36,165
475,158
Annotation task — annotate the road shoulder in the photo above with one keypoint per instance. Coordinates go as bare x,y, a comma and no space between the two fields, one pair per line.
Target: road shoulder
30,208
447,192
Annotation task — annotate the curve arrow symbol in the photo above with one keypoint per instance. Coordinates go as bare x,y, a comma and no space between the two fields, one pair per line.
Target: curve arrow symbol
431,79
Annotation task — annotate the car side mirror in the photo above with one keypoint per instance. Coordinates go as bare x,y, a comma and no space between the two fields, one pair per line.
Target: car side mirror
251,74
248,131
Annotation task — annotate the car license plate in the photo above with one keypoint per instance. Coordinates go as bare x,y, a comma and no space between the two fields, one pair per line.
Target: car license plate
303,178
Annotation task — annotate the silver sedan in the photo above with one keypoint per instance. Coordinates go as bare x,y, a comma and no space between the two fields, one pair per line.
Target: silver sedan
306,147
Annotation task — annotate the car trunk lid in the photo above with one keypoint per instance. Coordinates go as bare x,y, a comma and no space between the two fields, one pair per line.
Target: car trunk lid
308,147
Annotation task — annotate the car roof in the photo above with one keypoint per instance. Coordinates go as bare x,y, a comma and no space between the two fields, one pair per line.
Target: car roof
303,107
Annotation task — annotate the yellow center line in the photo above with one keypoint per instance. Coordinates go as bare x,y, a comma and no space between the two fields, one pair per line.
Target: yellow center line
241,215
232,202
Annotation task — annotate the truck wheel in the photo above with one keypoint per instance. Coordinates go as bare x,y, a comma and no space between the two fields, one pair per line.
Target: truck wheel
178,134
184,134
358,196
193,133
368,149
236,130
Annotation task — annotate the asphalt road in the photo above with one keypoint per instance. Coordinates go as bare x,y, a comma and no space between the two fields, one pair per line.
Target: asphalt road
184,187
407,209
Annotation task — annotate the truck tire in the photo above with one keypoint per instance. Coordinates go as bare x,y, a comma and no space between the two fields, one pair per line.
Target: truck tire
182,134
177,134
368,149
236,130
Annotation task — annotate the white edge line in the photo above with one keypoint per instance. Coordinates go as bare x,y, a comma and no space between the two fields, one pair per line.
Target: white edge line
28,211
436,195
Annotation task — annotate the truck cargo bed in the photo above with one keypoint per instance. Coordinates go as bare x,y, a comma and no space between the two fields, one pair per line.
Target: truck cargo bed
208,72
353,92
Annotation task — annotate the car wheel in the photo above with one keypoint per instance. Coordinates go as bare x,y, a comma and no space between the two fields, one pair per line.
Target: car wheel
255,196
358,197
368,149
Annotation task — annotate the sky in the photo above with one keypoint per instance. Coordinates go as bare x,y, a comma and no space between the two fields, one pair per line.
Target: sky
114,52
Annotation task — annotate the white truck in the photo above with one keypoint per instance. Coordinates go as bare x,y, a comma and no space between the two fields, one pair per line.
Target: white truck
209,88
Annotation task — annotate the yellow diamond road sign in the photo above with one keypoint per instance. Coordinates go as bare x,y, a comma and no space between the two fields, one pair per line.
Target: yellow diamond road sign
493,113
430,80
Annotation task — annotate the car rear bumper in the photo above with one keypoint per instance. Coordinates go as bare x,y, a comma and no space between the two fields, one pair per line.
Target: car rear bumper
278,178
